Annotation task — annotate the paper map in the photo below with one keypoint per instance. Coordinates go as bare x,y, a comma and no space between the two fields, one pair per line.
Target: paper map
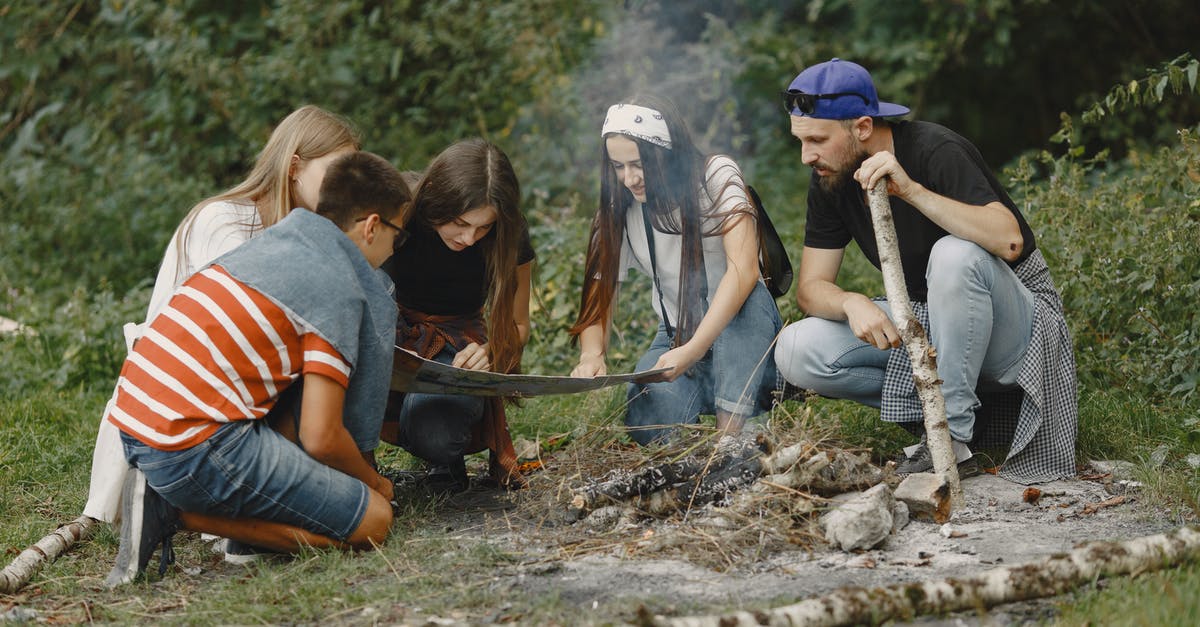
411,373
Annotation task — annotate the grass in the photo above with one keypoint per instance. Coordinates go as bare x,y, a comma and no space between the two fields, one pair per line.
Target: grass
430,569
1160,599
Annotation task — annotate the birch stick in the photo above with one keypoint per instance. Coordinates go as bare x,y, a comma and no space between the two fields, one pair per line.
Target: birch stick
21,570
920,352
1045,578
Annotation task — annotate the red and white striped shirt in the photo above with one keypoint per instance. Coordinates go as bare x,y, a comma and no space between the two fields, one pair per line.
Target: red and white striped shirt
219,351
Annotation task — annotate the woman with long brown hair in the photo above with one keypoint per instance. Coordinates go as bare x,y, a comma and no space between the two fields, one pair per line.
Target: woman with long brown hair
685,220
462,285
287,174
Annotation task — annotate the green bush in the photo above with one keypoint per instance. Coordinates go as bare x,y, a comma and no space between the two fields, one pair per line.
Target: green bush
1121,239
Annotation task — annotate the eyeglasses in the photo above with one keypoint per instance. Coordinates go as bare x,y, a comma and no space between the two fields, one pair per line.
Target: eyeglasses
401,234
807,103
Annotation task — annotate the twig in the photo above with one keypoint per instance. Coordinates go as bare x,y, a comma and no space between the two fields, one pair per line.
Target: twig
31,560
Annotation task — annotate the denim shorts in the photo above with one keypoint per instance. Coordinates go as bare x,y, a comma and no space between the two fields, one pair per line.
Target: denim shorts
247,470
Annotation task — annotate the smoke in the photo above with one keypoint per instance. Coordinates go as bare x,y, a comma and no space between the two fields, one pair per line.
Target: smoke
675,50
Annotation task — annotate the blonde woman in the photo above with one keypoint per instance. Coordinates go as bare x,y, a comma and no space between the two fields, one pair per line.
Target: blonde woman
286,174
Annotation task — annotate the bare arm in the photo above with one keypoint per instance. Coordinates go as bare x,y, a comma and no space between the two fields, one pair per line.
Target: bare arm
741,273
818,295
326,439
521,302
992,226
593,345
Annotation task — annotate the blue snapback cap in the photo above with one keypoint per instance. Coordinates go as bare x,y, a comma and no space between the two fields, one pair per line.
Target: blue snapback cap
837,90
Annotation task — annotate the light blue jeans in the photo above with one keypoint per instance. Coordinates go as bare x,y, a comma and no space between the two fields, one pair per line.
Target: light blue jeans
980,319
736,376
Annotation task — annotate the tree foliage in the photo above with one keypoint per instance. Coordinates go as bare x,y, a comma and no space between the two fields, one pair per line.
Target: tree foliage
117,115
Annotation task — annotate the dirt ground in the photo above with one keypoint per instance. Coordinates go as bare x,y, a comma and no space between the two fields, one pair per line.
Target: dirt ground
601,572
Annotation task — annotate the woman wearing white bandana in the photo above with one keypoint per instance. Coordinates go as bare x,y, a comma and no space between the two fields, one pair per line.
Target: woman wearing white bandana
717,319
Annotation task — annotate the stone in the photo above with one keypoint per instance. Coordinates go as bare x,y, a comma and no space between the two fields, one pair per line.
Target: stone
1158,456
1119,469
862,522
927,496
900,516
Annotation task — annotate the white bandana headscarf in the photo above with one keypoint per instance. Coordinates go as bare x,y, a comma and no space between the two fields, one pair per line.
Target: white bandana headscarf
637,121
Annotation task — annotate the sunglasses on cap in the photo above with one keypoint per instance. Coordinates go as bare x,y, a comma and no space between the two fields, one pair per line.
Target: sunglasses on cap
794,99
401,234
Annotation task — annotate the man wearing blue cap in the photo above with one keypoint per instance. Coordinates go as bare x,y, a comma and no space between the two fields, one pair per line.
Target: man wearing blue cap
971,264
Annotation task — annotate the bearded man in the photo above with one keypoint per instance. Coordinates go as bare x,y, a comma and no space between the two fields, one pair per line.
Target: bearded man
973,271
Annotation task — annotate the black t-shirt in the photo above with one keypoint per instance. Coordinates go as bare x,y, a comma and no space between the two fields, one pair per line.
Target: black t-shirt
932,155
433,279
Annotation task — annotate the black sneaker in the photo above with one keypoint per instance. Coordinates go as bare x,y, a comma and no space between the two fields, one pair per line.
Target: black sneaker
241,553
922,461
147,521
445,479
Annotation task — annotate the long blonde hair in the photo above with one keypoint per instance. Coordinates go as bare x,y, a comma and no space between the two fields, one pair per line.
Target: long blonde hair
309,132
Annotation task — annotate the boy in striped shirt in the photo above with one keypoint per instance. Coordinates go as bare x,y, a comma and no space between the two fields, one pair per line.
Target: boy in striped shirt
302,304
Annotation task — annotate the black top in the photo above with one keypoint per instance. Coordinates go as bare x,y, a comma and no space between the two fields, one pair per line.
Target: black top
433,279
932,155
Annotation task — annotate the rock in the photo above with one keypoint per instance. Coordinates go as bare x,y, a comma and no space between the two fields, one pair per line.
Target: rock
1193,460
526,448
1158,456
19,614
862,522
949,531
12,327
927,496
899,516
1119,469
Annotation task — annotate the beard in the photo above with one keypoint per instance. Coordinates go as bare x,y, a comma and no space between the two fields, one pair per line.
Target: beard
844,171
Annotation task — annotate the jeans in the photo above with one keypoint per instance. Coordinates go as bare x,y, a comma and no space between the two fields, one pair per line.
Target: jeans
737,375
247,470
980,322
437,427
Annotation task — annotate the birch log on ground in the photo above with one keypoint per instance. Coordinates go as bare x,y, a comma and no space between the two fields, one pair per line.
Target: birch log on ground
920,352
1049,577
21,570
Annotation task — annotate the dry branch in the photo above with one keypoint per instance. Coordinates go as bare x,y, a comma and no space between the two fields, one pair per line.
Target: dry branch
692,480
21,570
1048,577
623,484
920,351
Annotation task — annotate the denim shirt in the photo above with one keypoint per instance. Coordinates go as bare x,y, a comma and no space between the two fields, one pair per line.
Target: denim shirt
308,266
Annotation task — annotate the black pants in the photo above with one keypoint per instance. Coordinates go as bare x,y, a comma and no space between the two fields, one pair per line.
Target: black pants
437,427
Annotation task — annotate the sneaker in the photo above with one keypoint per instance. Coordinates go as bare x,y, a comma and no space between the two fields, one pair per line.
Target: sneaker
147,521
445,479
241,553
921,460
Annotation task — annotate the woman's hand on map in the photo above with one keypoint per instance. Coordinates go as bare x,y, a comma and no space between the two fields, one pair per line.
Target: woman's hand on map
590,366
472,357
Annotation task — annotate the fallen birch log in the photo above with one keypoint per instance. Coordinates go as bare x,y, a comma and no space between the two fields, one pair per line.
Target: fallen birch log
1049,577
21,570
920,352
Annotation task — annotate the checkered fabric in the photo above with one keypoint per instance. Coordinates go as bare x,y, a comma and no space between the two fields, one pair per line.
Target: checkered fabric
1041,418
